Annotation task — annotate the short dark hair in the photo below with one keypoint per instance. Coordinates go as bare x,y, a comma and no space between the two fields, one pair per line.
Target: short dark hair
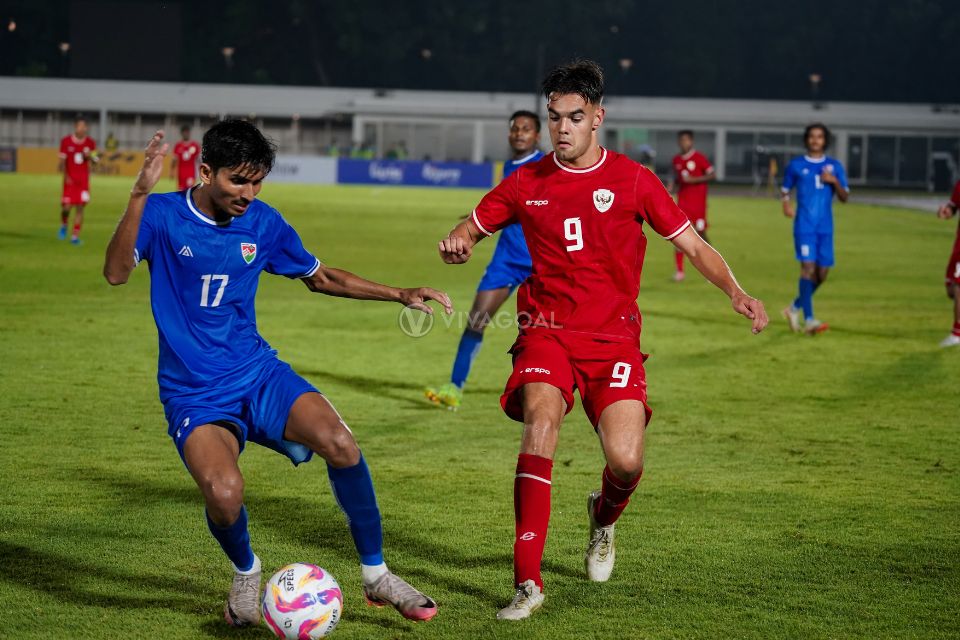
79,118
185,127
523,113
234,143
582,77
685,132
817,125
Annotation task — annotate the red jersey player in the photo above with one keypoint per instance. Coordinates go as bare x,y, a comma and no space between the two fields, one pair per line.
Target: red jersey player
947,211
77,151
691,173
582,209
184,163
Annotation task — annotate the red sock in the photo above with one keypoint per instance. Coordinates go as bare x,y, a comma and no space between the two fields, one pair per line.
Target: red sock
678,256
956,328
531,507
614,497
76,229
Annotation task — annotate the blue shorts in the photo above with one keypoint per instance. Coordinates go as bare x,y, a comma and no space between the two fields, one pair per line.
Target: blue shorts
258,411
503,274
814,247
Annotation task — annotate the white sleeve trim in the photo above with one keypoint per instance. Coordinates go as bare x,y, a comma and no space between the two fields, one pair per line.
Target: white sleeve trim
784,190
313,270
682,228
136,257
476,221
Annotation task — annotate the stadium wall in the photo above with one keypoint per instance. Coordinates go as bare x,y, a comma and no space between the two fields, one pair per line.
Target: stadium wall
287,168
912,146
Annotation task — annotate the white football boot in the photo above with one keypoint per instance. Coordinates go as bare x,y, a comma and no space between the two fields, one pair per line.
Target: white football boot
526,601
793,318
243,603
601,552
950,341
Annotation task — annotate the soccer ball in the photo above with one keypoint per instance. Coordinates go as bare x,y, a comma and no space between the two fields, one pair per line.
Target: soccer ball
302,601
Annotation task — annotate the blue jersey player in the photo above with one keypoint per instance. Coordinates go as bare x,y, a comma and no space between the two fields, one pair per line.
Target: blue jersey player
509,266
221,384
817,179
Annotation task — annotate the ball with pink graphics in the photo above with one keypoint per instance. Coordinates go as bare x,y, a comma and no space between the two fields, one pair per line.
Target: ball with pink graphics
302,601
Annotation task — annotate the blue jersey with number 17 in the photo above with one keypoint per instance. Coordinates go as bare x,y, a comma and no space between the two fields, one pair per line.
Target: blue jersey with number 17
203,281
814,197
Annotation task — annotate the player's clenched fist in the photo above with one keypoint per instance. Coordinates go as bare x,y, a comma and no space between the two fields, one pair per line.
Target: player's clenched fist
453,250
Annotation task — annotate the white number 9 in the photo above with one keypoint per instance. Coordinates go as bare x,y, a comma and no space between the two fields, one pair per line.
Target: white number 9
573,232
620,375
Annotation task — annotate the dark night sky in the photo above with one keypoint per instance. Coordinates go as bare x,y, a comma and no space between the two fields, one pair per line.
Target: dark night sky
903,51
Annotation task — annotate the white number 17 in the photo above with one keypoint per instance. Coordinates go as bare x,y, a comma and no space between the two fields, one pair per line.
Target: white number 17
205,292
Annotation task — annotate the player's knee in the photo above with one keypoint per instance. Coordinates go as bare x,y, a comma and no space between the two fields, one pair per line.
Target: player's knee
224,496
808,271
339,448
627,466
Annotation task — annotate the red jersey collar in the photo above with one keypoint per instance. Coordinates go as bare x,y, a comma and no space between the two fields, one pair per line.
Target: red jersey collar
596,165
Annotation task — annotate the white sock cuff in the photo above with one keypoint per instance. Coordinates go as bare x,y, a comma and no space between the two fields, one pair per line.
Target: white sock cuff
254,569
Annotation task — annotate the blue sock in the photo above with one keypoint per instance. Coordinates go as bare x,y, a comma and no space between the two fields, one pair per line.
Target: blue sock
469,347
353,489
235,540
807,287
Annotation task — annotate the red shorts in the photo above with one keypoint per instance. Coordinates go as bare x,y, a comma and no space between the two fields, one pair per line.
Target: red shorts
185,182
953,267
75,194
603,372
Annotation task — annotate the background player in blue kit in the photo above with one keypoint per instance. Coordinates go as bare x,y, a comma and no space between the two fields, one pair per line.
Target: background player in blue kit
220,382
817,177
509,266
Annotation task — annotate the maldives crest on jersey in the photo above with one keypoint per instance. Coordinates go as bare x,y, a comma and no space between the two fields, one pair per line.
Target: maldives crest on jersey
602,199
249,251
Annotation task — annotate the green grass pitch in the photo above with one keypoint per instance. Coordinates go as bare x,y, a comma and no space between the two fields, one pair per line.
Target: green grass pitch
795,487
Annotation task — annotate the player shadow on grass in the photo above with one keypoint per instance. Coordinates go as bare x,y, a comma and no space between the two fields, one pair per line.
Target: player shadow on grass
408,392
61,577
272,512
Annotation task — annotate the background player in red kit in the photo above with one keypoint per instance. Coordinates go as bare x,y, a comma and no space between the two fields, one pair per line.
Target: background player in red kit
691,173
184,161
947,211
582,209
77,151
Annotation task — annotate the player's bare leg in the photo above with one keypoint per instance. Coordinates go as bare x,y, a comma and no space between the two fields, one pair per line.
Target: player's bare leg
211,453
315,423
621,432
953,339
543,410
485,306
77,224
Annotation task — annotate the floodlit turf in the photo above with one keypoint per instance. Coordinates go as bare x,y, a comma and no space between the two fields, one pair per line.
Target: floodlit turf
795,486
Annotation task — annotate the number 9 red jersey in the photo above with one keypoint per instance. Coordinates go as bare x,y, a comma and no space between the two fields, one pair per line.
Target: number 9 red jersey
584,229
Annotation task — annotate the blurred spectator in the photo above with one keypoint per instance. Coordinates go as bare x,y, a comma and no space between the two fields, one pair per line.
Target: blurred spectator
111,143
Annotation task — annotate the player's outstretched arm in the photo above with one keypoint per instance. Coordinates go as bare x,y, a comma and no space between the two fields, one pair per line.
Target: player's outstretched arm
714,268
457,247
119,260
343,284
